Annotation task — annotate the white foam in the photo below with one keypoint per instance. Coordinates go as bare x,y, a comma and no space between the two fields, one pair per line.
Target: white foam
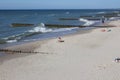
30,40
43,29
116,11
51,15
11,41
67,12
118,14
40,28
101,12
114,18
87,22
64,29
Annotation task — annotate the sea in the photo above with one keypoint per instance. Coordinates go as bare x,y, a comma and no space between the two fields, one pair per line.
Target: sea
13,35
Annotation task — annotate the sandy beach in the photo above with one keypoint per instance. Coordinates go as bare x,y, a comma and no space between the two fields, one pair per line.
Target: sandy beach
88,56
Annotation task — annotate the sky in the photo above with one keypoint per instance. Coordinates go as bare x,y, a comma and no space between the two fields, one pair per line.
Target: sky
59,4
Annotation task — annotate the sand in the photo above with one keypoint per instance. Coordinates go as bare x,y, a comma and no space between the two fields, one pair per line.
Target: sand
88,56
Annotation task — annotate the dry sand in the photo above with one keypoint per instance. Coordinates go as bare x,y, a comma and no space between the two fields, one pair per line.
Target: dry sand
87,56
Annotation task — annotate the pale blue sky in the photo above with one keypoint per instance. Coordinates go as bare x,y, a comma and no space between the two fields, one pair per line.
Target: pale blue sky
59,4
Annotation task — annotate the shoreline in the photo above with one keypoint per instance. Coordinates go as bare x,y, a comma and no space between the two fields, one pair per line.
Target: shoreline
81,57
33,45
16,46
30,46
78,32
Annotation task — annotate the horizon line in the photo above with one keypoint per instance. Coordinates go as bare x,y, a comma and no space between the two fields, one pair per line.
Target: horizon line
66,9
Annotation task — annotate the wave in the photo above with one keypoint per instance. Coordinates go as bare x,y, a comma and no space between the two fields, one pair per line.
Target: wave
116,11
51,15
114,18
67,12
64,29
40,28
18,37
11,41
101,12
36,30
87,22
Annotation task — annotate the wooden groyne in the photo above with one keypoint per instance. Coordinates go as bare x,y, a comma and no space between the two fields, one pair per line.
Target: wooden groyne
20,51
21,24
68,26
92,19
108,15
62,26
98,17
56,25
68,18
88,18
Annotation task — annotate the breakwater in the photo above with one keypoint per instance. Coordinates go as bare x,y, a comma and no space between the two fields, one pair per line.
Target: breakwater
9,51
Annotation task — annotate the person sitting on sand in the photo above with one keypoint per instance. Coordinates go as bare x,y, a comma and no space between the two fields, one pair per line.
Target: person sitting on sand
103,30
60,39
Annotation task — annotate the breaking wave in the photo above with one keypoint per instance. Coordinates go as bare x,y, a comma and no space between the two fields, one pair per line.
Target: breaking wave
36,30
87,22
67,13
64,29
40,28
101,12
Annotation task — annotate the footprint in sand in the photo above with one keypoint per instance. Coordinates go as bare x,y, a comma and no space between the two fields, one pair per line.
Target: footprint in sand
104,66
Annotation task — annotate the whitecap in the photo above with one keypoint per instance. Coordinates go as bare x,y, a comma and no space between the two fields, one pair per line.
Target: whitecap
87,22
101,12
116,11
40,28
67,12
64,29
11,41
51,15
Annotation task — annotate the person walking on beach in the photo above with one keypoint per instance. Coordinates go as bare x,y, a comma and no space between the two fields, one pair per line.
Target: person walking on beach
103,19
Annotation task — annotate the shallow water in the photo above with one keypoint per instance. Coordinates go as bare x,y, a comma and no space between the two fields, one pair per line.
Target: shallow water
13,35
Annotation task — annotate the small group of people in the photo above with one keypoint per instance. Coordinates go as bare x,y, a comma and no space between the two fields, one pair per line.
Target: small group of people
117,59
106,30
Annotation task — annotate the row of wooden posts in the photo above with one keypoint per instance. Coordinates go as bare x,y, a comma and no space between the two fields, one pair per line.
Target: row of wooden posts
20,51
88,17
58,25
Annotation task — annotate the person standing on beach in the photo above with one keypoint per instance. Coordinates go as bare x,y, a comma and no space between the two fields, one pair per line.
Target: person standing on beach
103,19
